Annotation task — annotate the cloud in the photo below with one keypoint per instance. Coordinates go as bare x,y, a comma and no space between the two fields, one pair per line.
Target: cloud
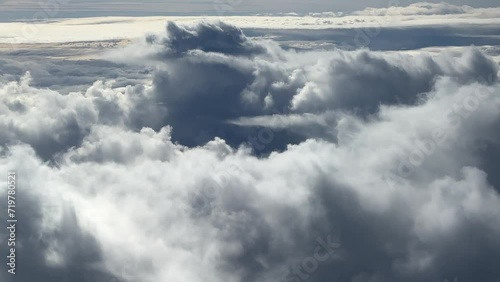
51,244
66,67
226,86
52,123
112,28
208,37
231,77
381,37
421,8
392,155
243,230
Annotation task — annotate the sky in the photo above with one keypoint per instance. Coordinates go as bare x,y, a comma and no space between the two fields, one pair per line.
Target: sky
12,9
314,147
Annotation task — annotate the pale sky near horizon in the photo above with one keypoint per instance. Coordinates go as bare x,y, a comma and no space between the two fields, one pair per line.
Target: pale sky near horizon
19,9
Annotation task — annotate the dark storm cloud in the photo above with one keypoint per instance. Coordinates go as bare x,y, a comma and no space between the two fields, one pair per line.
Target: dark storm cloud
225,84
208,37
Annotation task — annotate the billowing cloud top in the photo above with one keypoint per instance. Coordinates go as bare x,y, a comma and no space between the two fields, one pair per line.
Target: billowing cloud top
207,37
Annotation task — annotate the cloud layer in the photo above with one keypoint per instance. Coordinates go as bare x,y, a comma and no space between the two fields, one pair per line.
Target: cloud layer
46,26
242,161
